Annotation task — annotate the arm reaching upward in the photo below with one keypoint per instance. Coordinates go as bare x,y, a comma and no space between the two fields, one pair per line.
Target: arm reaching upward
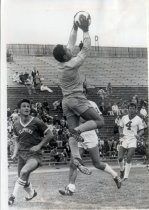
72,37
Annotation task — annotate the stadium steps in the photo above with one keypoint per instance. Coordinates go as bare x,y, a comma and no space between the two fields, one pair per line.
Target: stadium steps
86,159
14,94
120,72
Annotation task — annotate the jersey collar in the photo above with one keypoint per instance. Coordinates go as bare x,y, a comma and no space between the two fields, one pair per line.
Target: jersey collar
24,125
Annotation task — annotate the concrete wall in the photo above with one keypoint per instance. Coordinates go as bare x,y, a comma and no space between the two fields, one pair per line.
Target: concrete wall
40,50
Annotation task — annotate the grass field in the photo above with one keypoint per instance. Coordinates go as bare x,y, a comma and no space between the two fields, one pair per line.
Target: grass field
97,191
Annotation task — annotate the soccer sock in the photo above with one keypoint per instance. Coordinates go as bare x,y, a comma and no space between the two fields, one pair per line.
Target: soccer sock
109,170
127,170
71,187
121,164
87,126
29,189
18,185
74,148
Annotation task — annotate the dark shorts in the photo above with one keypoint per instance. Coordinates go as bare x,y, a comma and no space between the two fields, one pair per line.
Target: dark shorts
75,104
24,156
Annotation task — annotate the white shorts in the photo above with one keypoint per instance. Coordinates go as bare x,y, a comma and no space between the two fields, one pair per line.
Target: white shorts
90,139
128,142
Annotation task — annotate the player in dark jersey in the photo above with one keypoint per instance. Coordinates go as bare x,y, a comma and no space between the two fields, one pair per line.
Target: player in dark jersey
30,135
75,103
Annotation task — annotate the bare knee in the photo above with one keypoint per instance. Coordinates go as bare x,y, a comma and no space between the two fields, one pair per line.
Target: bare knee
24,174
99,165
128,160
72,166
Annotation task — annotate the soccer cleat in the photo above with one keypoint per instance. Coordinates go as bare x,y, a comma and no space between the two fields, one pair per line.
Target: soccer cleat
34,195
78,163
66,192
76,134
11,200
117,180
122,174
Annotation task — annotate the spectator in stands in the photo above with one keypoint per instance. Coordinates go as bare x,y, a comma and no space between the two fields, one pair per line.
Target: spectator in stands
26,75
33,73
9,55
116,125
10,125
124,107
10,145
40,85
16,77
135,100
65,155
15,115
81,45
115,109
101,147
67,148
56,155
45,106
142,102
56,105
63,123
109,89
108,109
29,85
143,111
102,93
8,112
22,78
85,86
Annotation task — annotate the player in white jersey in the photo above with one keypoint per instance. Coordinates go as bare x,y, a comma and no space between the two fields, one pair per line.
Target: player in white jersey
90,143
131,129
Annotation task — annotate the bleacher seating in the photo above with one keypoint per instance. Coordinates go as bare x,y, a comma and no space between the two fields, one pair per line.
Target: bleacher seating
121,72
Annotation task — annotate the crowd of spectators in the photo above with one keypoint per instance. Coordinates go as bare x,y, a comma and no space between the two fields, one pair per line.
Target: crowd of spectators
58,147
109,106
32,81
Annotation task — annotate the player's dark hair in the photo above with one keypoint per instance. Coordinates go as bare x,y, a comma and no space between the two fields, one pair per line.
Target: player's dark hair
132,105
23,101
59,53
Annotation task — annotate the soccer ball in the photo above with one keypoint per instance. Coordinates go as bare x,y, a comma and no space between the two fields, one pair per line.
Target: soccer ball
80,16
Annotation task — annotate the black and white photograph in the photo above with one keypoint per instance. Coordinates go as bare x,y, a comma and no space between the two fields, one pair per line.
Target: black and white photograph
74,105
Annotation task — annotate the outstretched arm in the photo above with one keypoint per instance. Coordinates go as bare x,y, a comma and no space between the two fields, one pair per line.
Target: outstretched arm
86,39
72,37
79,59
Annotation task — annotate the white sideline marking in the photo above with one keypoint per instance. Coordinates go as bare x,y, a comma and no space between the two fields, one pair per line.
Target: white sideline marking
49,170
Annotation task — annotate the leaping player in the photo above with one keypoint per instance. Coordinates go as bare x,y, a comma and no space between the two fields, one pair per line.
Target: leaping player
75,103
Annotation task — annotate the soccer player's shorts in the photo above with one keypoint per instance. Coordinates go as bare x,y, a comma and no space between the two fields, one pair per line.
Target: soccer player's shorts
90,140
75,104
24,156
128,142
